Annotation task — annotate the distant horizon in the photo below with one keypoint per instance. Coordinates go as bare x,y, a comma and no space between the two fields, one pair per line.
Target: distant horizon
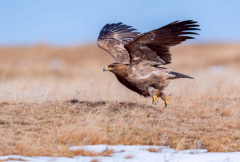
95,44
77,23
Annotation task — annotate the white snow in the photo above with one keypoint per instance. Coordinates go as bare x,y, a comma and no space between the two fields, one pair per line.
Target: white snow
138,154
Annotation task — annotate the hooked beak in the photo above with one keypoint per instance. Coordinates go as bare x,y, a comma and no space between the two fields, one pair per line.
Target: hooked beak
106,68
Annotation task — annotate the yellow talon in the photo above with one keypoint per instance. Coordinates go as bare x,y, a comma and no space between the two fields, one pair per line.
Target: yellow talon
155,99
166,101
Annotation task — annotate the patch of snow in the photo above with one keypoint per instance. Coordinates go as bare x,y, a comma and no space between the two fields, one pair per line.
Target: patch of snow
138,154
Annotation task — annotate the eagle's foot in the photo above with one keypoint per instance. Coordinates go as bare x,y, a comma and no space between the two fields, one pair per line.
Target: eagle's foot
155,99
166,101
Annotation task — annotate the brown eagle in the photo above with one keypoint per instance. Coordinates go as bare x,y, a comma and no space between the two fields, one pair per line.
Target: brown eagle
139,56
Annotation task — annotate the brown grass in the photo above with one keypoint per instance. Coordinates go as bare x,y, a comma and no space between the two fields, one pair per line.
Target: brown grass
129,157
88,153
36,120
12,159
95,160
153,150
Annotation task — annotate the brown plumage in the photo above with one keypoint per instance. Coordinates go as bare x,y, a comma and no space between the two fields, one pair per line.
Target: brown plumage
139,56
113,37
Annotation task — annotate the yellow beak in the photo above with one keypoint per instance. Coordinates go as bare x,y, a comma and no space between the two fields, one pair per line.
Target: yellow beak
107,68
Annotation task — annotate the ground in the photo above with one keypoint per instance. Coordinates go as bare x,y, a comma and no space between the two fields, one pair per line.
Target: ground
38,115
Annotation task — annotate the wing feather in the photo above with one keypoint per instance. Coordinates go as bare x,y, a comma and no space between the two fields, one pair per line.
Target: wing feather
154,46
113,37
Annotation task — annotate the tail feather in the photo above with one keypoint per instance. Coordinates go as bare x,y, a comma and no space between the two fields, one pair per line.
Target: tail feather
174,75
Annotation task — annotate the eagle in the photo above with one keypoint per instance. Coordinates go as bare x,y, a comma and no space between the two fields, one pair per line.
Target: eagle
139,57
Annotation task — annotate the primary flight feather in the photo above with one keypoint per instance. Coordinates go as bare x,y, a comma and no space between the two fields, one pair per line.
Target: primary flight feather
139,56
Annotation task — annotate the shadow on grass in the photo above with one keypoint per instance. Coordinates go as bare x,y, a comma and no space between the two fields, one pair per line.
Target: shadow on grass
118,104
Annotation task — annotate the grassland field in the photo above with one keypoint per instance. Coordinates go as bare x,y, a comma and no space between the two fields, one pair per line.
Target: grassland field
38,82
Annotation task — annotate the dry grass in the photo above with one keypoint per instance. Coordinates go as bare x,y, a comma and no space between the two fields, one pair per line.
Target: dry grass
87,153
95,160
153,150
36,82
12,159
129,157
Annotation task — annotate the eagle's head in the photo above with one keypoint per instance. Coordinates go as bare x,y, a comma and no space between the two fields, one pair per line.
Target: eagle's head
117,68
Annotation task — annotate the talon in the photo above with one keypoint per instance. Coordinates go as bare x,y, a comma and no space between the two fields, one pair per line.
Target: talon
155,99
166,101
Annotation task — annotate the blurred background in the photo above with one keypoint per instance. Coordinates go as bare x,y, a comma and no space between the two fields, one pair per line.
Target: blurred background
48,49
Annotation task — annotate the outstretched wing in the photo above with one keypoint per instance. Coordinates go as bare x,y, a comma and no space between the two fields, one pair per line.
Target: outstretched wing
113,37
154,45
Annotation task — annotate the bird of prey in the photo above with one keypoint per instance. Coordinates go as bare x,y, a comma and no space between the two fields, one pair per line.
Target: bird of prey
139,56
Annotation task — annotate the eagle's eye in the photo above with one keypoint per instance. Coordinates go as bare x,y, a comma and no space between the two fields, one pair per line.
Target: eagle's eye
111,66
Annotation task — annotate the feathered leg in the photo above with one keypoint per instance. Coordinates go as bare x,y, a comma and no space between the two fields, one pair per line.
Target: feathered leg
154,99
154,93
165,98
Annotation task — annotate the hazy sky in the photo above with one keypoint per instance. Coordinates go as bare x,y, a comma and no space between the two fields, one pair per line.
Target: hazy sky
74,22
